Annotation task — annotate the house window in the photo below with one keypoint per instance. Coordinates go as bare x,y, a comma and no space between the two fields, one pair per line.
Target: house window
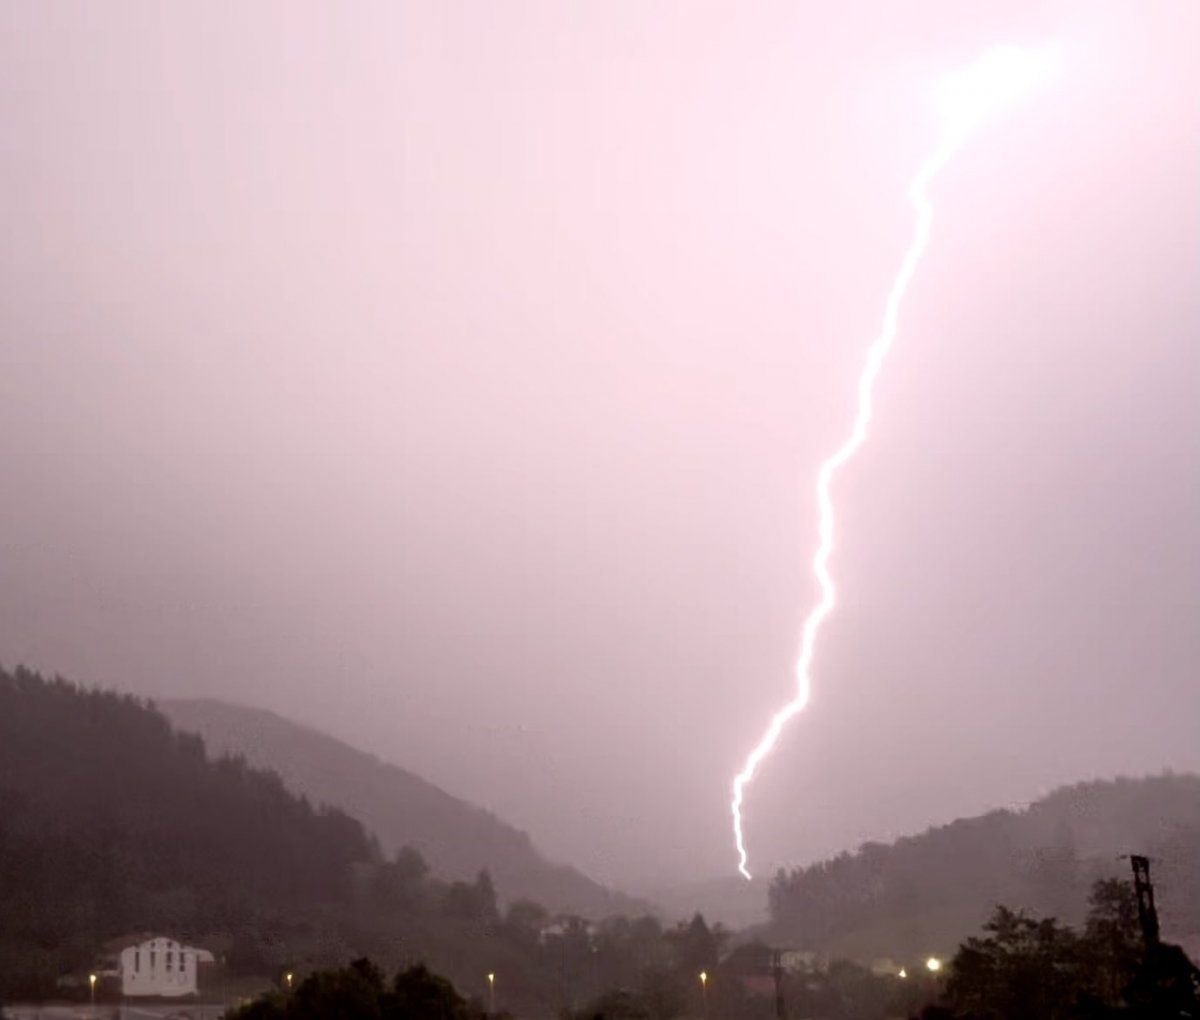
137,959
170,959
152,956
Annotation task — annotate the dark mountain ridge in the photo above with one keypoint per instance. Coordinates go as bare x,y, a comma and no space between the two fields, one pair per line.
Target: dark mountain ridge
399,807
924,893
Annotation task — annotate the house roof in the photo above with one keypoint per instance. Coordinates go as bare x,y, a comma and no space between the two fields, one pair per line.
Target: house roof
137,938
132,939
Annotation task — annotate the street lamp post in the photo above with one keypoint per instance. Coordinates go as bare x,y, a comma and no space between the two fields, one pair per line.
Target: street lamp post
704,990
491,994
92,991
288,978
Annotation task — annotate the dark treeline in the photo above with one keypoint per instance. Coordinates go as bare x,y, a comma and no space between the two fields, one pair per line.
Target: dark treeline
361,991
1028,968
641,973
942,884
1020,968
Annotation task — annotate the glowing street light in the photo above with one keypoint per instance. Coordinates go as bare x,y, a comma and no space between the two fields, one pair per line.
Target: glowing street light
491,993
288,978
903,973
933,964
92,991
704,989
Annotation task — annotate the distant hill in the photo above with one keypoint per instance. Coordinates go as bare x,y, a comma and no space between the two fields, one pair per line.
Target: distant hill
400,808
924,893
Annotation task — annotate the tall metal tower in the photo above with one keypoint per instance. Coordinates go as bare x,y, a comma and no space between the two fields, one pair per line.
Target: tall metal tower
1144,888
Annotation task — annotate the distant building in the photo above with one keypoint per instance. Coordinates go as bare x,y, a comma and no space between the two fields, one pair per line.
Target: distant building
153,965
568,927
796,961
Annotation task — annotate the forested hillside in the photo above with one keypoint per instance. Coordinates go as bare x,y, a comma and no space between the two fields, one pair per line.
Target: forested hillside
926,892
112,822
400,808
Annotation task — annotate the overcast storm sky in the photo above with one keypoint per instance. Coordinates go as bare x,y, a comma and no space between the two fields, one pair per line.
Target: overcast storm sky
452,377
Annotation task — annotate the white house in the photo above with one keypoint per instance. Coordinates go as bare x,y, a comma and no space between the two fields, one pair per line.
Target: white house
154,965
563,926
795,961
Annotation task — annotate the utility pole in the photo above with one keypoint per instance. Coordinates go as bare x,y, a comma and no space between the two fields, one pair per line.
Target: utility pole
566,991
777,974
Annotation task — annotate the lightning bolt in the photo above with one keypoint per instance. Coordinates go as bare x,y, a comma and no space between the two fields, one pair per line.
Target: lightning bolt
996,79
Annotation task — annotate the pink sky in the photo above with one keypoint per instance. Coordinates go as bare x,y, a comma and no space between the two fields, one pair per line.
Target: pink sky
452,377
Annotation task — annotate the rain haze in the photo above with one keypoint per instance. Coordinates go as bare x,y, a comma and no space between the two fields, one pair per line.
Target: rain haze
452,378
